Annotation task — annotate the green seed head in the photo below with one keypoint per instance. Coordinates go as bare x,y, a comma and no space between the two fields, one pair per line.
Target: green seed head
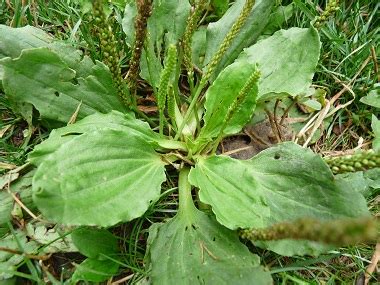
171,61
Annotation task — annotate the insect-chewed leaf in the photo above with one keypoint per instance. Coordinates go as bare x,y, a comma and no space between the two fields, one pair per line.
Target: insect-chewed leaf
42,77
283,183
99,178
193,248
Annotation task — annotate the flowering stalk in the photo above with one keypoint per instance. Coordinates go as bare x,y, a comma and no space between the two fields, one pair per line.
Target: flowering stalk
337,232
143,13
331,8
228,40
356,162
108,46
216,58
162,93
192,22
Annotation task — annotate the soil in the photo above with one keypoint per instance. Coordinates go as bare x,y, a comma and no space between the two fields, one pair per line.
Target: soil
254,139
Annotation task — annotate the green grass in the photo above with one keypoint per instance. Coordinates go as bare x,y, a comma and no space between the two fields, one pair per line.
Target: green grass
347,40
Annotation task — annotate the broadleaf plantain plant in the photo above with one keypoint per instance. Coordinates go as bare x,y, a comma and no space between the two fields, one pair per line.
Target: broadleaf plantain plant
108,167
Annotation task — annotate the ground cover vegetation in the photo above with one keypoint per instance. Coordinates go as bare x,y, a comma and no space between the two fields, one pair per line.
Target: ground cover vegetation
189,142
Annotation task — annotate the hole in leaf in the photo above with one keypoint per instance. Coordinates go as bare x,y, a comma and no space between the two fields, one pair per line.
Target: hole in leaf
74,81
186,228
71,134
277,156
194,227
214,239
56,93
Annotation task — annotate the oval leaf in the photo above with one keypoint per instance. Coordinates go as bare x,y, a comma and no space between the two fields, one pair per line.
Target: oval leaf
287,61
100,178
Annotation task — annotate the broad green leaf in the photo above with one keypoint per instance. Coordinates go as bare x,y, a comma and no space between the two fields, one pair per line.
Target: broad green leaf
287,61
192,248
287,182
216,32
14,40
220,96
95,243
94,270
40,77
228,186
99,178
127,123
376,130
373,98
165,25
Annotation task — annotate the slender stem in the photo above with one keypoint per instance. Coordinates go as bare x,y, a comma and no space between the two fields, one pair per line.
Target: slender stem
161,123
190,109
